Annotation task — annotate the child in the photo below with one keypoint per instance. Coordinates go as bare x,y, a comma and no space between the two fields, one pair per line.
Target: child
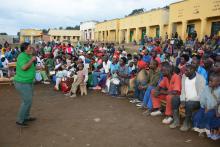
207,119
79,80
59,75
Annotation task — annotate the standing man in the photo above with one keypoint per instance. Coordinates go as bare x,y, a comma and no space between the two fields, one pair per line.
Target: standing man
23,81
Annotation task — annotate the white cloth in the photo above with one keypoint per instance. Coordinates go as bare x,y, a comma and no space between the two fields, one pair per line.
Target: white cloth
83,58
106,66
190,90
5,63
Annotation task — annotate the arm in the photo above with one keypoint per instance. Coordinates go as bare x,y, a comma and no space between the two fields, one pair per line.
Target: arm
28,65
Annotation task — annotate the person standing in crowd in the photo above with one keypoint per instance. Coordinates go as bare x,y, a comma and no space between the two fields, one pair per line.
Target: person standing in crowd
23,81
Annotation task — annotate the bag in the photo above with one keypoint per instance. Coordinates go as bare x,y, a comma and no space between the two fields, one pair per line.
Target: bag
38,77
115,81
51,73
64,87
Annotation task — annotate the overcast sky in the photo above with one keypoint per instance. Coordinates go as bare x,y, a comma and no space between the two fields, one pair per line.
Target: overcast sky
18,14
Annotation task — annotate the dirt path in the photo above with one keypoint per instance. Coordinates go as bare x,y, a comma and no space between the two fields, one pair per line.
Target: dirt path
95,120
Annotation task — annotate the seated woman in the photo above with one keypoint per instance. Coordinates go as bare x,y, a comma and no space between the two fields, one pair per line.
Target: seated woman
207,119
120,79
123,74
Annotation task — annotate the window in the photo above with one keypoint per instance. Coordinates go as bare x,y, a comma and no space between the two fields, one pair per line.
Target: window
73,37
215,28
190,28
64,37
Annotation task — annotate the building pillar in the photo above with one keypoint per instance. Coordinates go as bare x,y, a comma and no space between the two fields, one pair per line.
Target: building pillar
162,31
109,36
32,40
184,28
116,36
120,36
128,36
203,28
170,30
137,35
147,31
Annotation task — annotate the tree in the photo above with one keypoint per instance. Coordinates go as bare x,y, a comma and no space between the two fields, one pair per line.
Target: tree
136,11
45,31
69,28
18,34
3,34
60,28
77,27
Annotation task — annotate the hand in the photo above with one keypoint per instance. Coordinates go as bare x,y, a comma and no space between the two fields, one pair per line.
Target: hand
33,59
182,105
140,87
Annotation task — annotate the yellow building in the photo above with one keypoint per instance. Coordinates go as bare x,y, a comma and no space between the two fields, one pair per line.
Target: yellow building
182,17
30,35
64,35
153,23
107,31
203,16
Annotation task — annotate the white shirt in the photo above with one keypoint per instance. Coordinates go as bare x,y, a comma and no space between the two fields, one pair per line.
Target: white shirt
190,90
5,63
106,66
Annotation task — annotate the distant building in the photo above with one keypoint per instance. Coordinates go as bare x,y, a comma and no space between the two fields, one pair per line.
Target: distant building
30,35
64,35
186,17
87,29
11,39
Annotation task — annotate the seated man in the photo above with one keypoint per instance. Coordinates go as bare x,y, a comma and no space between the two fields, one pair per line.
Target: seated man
207,119
100,76
192,86
145,82
169,87
139,85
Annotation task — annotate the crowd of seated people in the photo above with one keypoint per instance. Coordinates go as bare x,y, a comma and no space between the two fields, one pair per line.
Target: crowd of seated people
183,75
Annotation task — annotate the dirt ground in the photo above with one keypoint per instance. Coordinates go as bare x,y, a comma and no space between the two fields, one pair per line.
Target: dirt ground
95,120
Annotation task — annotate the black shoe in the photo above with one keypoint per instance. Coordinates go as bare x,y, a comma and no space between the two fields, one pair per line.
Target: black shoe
30,119
22,124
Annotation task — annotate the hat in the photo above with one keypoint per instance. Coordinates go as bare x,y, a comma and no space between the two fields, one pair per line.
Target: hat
134,53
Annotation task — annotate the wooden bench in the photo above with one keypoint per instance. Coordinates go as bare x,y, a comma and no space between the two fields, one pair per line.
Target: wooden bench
181,110
6,81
